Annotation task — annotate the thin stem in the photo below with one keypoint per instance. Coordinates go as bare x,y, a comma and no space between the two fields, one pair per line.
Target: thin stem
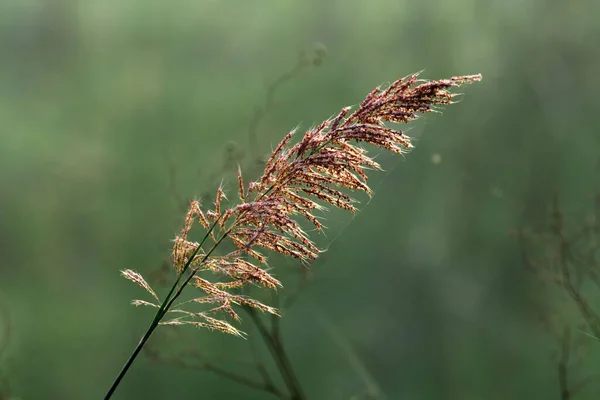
243,380
133,356
265,385
263,370
278,352
164,307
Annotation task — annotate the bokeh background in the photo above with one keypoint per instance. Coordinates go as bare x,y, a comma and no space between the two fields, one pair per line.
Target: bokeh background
114,112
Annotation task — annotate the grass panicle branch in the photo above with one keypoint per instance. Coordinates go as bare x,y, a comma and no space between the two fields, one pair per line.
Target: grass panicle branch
298,181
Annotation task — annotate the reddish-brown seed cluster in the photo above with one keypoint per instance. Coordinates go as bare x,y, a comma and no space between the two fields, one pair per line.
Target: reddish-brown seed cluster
322,168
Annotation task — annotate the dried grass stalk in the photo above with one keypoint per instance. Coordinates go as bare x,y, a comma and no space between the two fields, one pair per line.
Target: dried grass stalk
322,168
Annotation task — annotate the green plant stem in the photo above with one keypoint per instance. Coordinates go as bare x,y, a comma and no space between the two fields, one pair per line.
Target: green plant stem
164,307
277,351
132,357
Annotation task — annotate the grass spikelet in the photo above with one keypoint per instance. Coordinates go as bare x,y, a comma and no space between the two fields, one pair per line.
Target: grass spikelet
137,278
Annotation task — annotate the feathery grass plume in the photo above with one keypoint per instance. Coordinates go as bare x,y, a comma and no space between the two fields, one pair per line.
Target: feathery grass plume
324,165
318,167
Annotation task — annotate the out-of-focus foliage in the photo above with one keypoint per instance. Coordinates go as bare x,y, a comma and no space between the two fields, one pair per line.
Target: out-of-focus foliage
101,100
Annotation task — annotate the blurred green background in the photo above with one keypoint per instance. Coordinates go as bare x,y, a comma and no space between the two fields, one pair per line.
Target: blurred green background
111,110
